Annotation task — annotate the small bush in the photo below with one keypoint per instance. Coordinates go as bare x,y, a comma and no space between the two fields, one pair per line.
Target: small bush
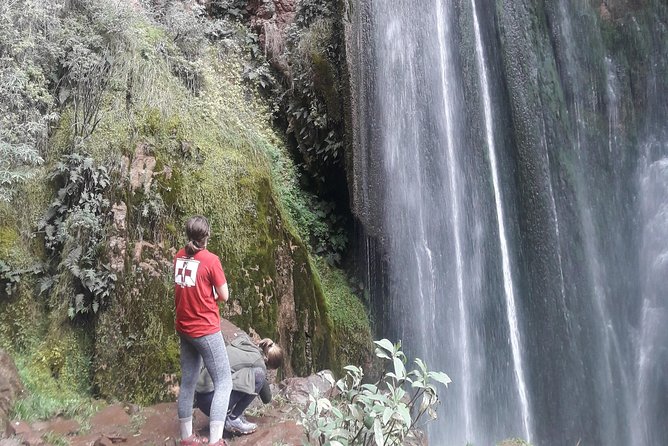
387,412
26,104
74,228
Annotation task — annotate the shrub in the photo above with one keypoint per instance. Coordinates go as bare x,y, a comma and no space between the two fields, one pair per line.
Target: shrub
387,412
26,53
74,229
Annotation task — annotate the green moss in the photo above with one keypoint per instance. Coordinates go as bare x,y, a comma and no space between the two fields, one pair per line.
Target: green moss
21,318
216,154
9,238
53,358
350,320
136,349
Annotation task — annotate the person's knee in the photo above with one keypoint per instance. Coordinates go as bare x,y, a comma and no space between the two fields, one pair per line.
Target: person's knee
260,378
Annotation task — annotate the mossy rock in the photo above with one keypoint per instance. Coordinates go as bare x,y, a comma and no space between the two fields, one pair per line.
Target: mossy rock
209,152
136,349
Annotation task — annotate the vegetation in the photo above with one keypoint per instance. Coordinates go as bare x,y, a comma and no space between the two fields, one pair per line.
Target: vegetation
349,317
387,412
53,360
26,105
74,228
136,118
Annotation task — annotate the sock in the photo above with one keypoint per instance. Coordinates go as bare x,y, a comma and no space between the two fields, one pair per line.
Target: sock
216,431
186,427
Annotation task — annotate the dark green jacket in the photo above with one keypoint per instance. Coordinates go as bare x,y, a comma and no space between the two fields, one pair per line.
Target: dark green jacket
244,356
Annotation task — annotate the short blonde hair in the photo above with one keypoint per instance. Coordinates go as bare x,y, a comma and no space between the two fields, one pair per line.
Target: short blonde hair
273,353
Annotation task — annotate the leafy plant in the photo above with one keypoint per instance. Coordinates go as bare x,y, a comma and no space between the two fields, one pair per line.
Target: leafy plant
74,228
10,277
27,53
229,9
313,105
387,412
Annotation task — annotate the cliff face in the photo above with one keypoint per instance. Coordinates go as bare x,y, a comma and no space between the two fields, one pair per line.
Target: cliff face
157,117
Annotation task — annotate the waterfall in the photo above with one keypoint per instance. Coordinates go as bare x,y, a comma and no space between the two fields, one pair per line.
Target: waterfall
508,284
446,75
652,360
510,175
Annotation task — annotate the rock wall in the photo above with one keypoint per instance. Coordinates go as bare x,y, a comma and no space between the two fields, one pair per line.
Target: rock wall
10,388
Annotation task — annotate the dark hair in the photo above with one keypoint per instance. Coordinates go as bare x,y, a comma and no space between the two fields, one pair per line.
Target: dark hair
197,231
273,354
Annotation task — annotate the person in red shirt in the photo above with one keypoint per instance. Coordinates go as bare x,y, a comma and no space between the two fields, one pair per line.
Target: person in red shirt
199,282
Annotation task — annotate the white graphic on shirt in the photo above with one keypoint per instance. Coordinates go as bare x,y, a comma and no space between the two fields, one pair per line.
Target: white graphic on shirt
185,272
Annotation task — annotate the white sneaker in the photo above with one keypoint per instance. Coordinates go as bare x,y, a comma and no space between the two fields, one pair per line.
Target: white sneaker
238,426
253,425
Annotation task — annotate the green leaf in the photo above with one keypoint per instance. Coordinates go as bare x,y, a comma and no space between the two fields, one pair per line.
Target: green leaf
353,369
382,354
370,388
387,414
440,377
399,369
378,431
405,415
385,345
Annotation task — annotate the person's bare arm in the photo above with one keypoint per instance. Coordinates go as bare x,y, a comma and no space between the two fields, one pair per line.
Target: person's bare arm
223,292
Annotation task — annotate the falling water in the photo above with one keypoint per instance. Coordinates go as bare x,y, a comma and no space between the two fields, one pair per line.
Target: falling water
650,421
505,256
510,180
447,74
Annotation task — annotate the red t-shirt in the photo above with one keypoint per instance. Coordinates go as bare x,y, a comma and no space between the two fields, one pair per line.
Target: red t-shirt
194,281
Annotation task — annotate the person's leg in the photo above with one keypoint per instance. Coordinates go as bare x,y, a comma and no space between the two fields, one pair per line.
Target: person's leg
235,397
191,363
244,399
203,402
214,354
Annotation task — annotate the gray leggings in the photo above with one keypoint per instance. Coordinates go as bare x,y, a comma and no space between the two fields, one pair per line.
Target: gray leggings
211,349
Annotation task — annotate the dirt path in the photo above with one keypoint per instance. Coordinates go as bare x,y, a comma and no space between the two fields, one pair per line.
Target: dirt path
155,425
129,425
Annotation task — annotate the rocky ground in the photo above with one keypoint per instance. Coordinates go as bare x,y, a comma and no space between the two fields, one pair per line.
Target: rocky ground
157,425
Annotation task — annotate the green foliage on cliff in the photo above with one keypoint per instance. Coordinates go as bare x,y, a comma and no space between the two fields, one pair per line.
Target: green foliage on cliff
349,317
26,105
156,122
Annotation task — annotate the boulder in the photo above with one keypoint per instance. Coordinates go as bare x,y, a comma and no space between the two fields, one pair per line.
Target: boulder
10,388
297,390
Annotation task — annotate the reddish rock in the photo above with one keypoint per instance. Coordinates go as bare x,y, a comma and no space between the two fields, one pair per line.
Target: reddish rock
32,439
103,441
112,417
272,432
18,428
269,19
297,390
10,387
60,426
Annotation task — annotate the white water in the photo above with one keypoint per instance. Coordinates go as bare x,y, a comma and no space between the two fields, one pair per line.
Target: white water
511,305
445,61
507,256
652,358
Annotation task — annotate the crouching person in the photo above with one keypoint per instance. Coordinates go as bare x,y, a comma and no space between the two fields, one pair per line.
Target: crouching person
249,364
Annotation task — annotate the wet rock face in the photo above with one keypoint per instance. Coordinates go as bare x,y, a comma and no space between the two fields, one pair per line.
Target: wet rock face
614,9
10,388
